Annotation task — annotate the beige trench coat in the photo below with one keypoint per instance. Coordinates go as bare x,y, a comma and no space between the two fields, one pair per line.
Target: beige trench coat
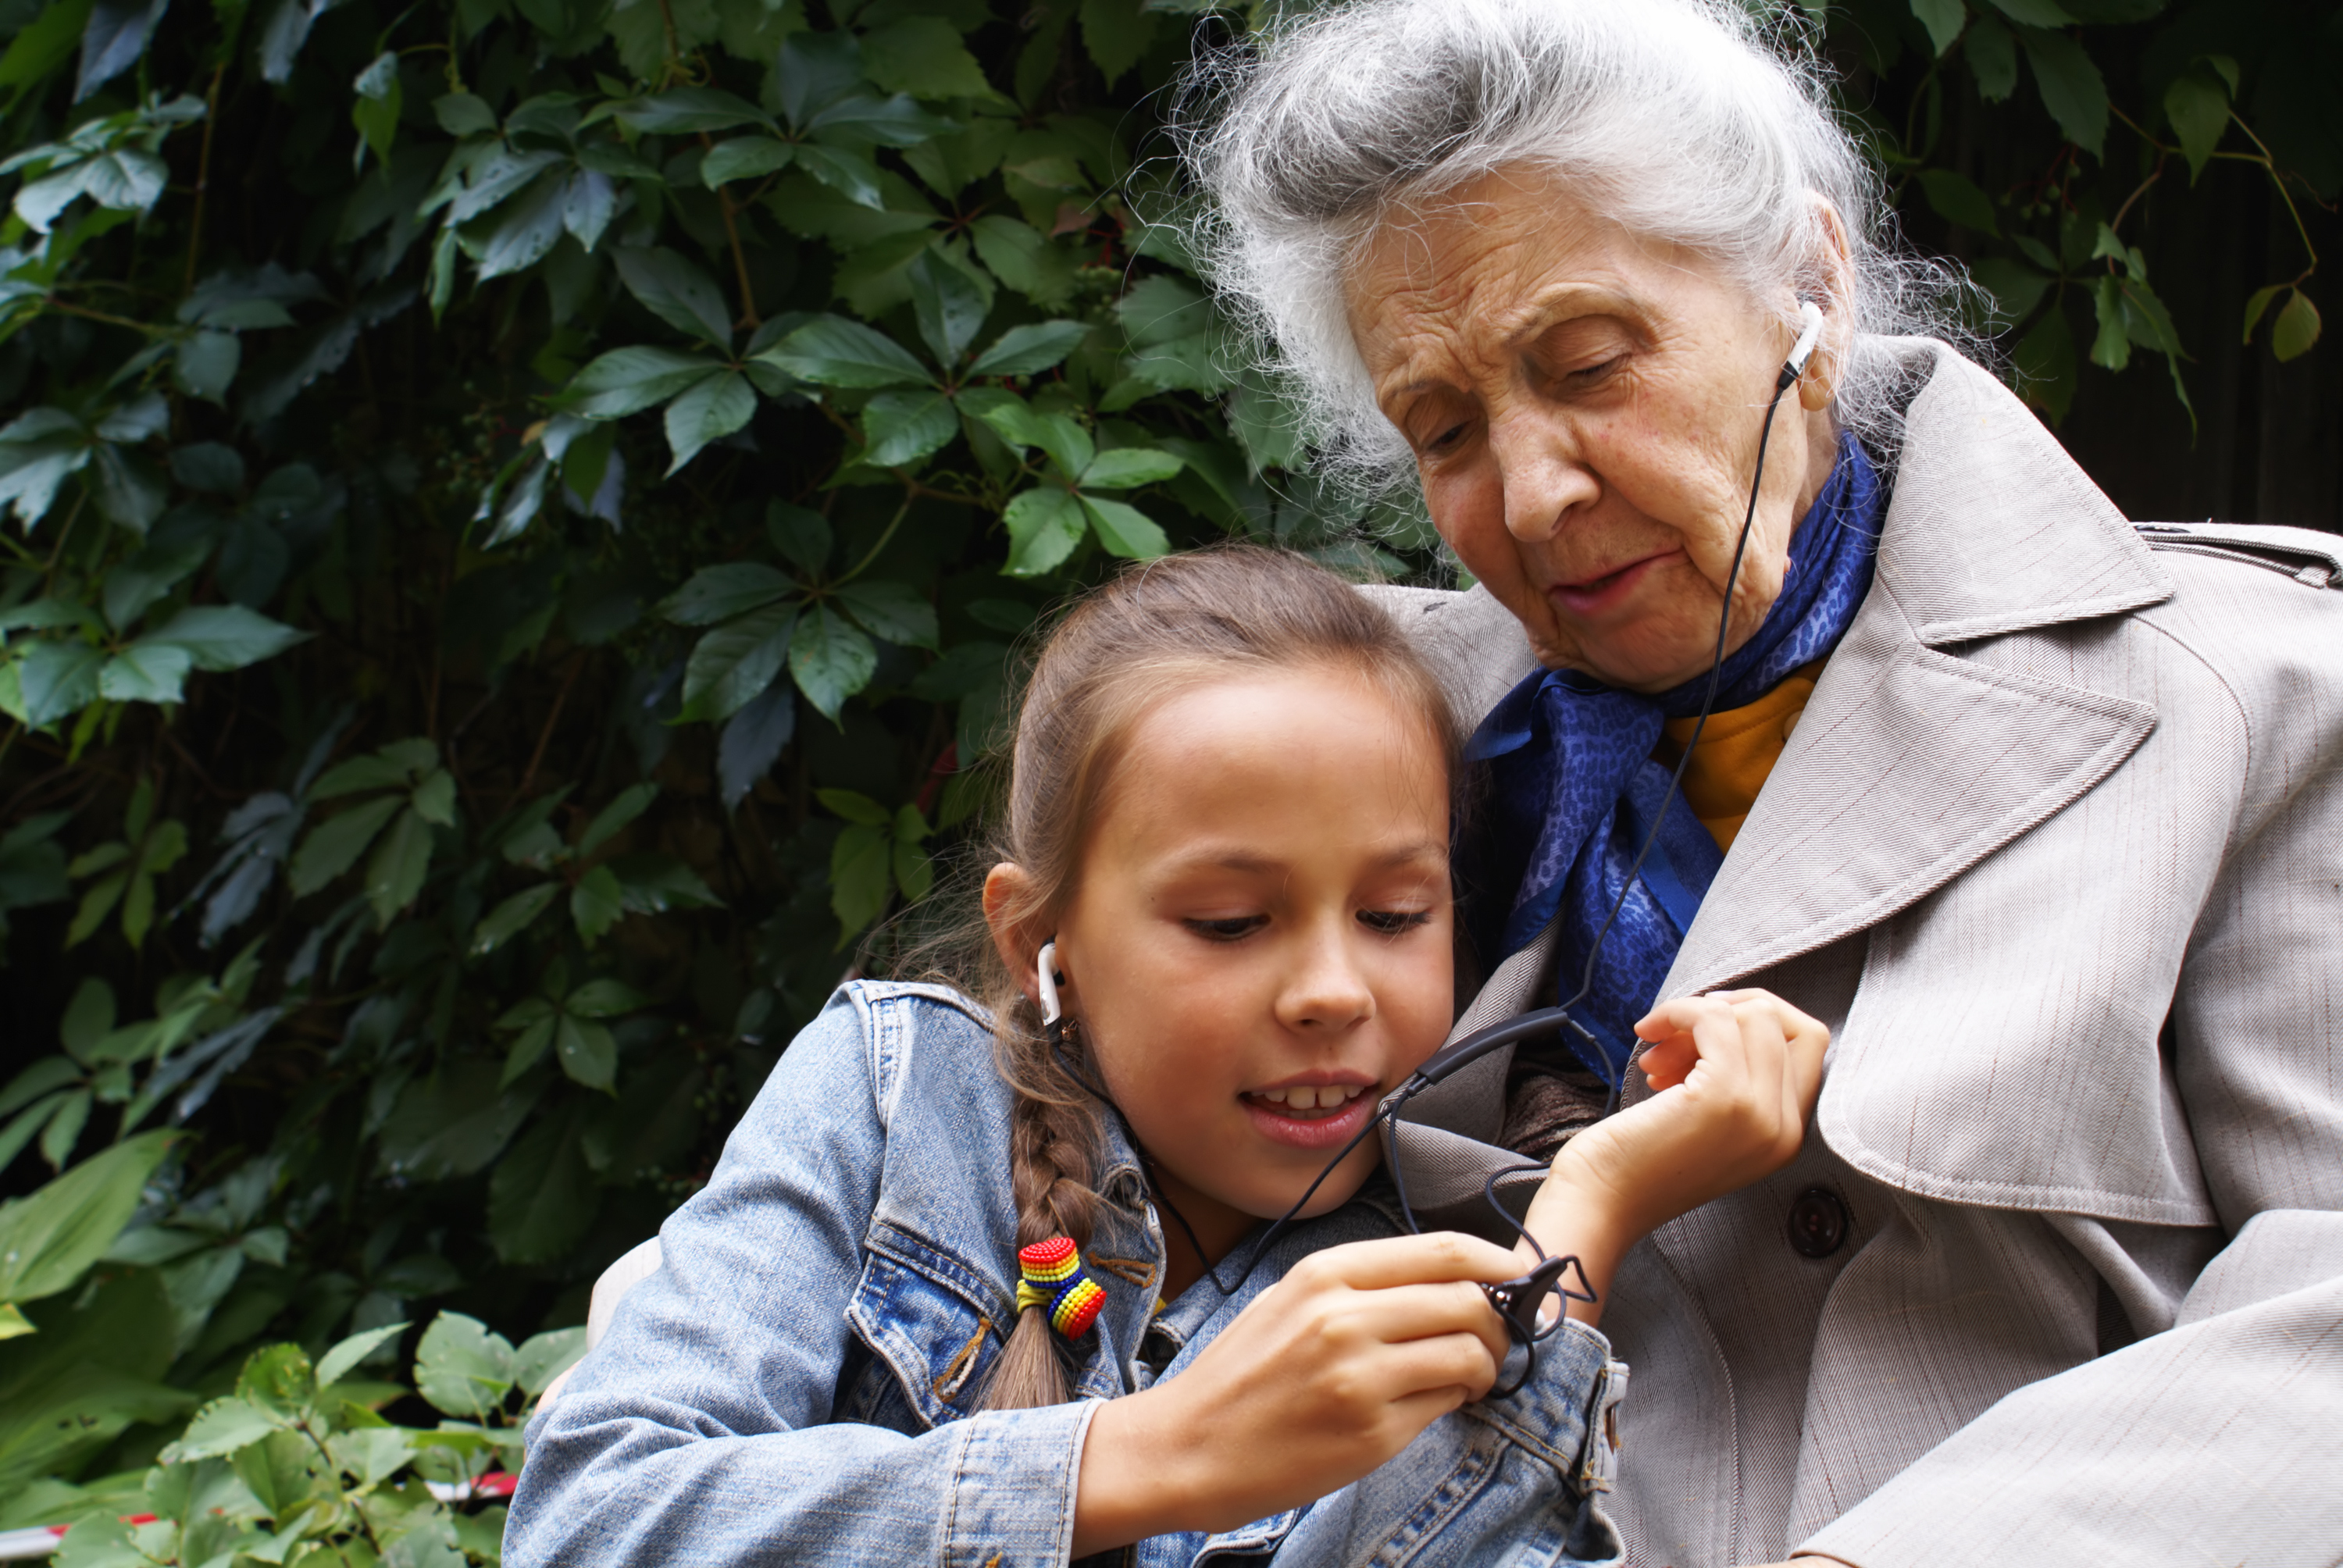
2057,850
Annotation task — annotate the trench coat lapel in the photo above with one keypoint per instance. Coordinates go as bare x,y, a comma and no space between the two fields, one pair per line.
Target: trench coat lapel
1911,764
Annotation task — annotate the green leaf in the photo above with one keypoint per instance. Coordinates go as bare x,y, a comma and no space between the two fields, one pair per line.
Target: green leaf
2044,363
845,171
718,593
395,876
677,292
854,807
1116,33
346,1355
744,158
802,536
529,1047
1992,53
687,110
597,903
2112,347
2298,327
901,428
628,380
2034,13
1026,259
1044,526
830,658
2072,88
462,1368
737,661
543,1357
2198,104
2017,288
1030,349
58,678
512,917
1944,19
604,998
145,672
922,55
1957,200
1126,531
624,807
1127,467
831,351
892,611
221,1429
2257,303
277,1379
51,1238
949,305
859,879
540,1202
225,637
334,846
708,412
206,365
434,800
464,114
587,1052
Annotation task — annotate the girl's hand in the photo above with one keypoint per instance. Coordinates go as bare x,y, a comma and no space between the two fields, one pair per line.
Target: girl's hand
1738,1073
1328,1373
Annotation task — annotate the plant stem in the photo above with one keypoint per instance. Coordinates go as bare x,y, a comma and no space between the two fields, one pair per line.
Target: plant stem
203,175
901,513
739,258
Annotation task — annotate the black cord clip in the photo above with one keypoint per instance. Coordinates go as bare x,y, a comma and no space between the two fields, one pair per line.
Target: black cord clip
1517,1302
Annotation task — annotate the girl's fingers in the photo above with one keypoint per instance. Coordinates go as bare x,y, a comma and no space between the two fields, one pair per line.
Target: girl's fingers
1434,1258
1405,1314
1431,1366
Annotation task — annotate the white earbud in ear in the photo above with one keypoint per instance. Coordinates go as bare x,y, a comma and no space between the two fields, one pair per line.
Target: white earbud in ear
1810,323
1049,967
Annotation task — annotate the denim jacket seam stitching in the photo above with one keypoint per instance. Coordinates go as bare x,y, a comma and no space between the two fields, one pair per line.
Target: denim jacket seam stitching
1465,1481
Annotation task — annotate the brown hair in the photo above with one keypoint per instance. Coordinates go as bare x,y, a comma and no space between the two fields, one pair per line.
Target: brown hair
1154,630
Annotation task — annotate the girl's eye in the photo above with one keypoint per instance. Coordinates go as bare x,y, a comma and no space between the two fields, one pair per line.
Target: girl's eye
1392,922
1229,929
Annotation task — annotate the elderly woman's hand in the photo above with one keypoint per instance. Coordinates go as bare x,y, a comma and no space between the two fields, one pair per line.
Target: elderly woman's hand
1736,1073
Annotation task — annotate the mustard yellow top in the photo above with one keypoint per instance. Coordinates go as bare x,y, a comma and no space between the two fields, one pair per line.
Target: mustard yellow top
1738,748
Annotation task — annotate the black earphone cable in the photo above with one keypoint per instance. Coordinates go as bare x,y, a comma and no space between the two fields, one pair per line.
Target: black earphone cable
1517,1301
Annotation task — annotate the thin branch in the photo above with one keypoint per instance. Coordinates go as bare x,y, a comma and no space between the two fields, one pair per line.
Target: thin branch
739,258
901,513
545,735
203,175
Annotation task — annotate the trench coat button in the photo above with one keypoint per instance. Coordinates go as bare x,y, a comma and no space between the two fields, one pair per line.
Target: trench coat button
1819,1223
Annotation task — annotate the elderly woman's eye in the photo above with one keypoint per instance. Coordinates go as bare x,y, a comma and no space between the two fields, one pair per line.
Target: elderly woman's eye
1392,922
1446,438
1591,373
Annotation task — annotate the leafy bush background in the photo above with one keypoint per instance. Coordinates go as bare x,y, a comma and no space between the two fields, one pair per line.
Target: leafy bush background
515,513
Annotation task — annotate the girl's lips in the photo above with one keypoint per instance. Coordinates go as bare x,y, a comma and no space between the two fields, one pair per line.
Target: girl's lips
1597,595
1330,1130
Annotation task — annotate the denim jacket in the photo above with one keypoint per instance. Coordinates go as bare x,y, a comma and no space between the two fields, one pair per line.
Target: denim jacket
800,1379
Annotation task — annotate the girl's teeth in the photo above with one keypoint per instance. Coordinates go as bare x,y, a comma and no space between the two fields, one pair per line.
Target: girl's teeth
1305,1097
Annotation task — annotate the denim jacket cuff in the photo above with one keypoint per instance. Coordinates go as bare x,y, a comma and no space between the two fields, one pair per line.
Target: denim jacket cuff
1013,1489
1568,1414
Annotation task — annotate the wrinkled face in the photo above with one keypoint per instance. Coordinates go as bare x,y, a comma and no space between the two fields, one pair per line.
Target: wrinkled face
1584,409
1259,948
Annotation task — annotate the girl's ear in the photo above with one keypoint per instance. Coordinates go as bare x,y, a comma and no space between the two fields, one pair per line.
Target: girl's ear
1006,889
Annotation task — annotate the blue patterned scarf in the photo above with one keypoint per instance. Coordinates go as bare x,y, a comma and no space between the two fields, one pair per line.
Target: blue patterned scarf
1569,775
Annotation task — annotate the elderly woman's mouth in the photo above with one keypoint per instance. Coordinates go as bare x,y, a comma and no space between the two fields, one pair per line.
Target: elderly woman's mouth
1595,595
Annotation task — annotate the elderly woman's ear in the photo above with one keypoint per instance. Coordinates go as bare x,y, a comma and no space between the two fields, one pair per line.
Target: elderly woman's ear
1833,288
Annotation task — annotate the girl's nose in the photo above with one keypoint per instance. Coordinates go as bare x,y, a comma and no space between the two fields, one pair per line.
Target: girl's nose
1327,990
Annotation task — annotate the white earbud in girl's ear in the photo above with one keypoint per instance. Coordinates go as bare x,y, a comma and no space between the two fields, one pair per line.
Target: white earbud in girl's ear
1049,966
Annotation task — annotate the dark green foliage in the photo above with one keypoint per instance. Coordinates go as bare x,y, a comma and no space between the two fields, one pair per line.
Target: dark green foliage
516,517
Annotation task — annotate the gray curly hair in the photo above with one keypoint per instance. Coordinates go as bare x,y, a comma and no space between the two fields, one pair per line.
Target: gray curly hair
1685,120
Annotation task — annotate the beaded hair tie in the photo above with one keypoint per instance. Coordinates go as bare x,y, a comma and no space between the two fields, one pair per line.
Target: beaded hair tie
1054,1279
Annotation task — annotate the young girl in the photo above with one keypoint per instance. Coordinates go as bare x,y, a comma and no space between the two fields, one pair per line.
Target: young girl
968,1289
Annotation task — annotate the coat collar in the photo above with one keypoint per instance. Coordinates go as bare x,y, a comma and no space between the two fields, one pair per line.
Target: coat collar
1910,764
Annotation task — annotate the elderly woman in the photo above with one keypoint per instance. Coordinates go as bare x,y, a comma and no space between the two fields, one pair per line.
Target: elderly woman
2040,812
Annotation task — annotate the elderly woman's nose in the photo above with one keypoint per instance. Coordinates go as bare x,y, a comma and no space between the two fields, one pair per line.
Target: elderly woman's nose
1541,481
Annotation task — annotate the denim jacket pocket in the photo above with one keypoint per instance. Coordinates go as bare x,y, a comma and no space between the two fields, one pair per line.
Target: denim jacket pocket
930,1318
